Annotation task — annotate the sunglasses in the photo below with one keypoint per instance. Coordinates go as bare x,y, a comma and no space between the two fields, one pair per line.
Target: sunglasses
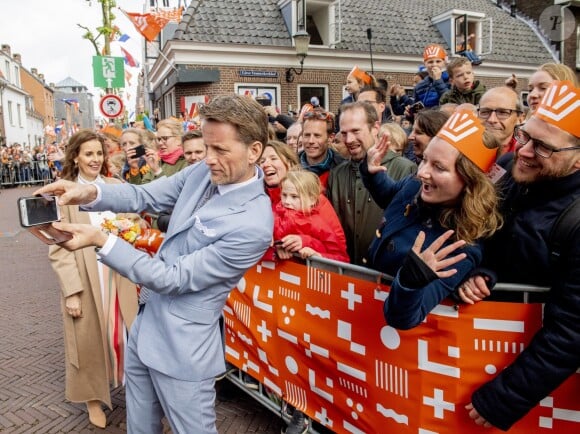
321,116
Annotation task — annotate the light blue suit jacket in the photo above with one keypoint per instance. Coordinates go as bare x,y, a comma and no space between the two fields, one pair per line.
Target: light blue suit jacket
203,257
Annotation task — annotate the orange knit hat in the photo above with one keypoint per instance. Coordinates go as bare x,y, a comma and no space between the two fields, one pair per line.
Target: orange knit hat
434,51
560,107
360,75
464,131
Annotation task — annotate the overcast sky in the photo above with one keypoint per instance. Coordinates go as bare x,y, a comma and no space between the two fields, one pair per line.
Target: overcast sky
46,35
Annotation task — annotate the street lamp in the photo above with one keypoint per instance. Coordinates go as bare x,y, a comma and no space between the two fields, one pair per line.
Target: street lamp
301,41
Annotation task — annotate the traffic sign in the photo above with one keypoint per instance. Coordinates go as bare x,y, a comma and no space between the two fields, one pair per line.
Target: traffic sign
111,106
108,72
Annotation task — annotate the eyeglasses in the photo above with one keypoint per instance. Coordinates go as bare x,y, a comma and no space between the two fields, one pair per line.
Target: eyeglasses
541,149
163,138
501,113
321,116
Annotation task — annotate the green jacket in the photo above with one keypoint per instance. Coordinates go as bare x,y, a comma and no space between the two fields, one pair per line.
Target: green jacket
359,215
455,96
166,170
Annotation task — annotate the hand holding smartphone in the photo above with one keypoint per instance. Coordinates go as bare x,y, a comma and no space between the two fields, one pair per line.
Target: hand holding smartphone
139,151
37,214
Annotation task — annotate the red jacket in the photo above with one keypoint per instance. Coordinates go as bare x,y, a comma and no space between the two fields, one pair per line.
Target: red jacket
319,229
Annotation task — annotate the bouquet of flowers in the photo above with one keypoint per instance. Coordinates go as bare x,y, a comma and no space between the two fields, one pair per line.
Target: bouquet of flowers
130,230
125,228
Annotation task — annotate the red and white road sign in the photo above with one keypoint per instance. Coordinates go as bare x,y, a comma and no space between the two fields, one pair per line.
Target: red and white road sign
111,106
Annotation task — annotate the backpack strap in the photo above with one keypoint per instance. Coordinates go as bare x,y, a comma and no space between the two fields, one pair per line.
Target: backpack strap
567,223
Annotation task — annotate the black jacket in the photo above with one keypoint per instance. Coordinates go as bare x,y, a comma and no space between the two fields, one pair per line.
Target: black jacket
520,252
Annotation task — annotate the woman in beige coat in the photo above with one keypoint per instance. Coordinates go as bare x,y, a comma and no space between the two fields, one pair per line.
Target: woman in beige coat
98,304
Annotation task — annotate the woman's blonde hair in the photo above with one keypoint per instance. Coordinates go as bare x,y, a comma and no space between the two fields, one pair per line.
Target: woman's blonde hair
307,185
560,72
398,137
477,214
285,153
118,160
172,125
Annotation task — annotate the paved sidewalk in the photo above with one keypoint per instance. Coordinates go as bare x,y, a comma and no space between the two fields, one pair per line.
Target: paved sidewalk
32,353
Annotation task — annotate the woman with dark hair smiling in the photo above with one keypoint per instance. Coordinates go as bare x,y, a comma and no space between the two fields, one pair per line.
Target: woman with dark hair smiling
98,305
426,126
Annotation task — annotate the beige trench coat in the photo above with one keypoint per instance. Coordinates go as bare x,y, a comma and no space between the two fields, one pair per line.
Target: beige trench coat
87,376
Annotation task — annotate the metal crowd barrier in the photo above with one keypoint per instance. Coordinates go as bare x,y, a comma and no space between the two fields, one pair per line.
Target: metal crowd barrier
14,174
264,397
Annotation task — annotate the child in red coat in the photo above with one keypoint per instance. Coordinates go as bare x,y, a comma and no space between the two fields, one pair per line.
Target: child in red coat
305,222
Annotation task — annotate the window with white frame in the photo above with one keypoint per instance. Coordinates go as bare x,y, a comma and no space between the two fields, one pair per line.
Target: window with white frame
10,115
465,30
169,103
317,17
19,114
265,90
311,93
524,98
578,47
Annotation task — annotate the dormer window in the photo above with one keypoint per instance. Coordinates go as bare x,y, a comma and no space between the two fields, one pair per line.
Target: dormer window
317,17
465,30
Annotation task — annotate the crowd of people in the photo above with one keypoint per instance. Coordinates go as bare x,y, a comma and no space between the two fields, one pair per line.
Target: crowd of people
448,191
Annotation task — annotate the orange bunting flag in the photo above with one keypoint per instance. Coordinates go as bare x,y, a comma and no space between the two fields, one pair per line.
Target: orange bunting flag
149,25
128,76
170,15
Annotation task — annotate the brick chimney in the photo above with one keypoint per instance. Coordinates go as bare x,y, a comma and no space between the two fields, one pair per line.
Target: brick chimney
6,49
17,58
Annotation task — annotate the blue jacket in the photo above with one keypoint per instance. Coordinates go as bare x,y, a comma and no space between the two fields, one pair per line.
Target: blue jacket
429,91
205,254
405,215
520,253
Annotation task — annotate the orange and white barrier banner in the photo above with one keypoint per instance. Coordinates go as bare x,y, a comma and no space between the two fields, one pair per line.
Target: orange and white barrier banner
319,339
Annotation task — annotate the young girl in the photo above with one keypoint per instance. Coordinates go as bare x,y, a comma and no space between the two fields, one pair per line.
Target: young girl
305,222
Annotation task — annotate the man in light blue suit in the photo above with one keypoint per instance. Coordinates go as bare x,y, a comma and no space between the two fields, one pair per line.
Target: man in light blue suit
175,349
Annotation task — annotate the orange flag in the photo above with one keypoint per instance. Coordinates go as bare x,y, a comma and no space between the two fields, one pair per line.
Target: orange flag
148,25
170,15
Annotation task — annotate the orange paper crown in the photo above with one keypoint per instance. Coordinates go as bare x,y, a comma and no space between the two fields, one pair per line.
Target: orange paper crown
560,107
434,51
464,131
111,129
360,75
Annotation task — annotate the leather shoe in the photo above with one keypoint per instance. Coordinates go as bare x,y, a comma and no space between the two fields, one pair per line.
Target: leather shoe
96,414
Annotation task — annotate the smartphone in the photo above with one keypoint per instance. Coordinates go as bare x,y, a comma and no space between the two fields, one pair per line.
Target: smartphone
417,107
139,151
38,210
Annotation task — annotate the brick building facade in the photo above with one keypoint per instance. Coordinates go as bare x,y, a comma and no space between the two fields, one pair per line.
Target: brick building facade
218,47
568,48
